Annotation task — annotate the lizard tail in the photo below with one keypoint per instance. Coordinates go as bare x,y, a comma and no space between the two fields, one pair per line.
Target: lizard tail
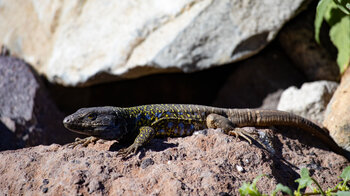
256,117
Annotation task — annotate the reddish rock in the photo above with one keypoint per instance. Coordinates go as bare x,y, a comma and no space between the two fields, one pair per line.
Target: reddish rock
207,163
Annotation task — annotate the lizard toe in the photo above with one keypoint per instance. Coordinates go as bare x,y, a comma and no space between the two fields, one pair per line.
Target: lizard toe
126,152
241,132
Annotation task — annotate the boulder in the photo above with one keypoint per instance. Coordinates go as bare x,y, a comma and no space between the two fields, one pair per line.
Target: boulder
27,114
85,42
310,101
337,118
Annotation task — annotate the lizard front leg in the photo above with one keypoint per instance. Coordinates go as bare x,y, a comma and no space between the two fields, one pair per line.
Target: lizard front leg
146,134
217,121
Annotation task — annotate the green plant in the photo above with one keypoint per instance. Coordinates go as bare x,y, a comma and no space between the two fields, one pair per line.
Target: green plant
337,14
341,189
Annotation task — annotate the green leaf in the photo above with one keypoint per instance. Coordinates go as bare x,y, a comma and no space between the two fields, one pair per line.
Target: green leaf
250,189
333,14
339,32
343,5
321,9
282,188
304,180
340,36
345,175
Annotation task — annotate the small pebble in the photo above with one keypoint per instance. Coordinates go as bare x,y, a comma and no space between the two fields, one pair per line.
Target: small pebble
239,168
45,190
147,162
203,132
46,181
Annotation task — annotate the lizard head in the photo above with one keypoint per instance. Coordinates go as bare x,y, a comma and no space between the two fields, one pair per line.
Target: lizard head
102,122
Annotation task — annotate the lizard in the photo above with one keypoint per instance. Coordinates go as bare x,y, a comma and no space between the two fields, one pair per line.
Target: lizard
142,123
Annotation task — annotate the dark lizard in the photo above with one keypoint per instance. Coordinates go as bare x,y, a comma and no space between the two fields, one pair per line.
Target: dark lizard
142,123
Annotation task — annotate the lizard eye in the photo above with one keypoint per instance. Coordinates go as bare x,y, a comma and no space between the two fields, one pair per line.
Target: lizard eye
92,116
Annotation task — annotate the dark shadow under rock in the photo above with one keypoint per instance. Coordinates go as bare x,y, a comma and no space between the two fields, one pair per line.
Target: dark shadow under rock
256,82
8,139
260,77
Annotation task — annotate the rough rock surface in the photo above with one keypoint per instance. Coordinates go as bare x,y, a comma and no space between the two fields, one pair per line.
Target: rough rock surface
298,41
310,101
73,41
207,163
337,117
26,111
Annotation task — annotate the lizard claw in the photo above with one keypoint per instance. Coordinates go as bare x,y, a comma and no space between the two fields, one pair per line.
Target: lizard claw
84,142
125,152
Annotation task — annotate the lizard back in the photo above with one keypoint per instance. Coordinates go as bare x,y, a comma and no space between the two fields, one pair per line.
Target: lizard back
173,119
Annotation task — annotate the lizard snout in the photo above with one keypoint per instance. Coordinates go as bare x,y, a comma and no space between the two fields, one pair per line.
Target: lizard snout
66,120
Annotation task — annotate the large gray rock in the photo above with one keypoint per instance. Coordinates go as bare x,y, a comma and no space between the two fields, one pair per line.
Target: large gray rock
28,116
71,42
310,101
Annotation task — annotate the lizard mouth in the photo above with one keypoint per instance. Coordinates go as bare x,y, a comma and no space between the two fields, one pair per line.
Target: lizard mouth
87,129
70,124
100,131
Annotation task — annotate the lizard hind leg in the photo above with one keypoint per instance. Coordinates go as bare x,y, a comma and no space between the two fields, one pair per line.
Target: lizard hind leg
217,121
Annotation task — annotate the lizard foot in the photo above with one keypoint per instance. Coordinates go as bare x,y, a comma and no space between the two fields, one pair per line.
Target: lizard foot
241,132
84,142
145,135
218,121
125,152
